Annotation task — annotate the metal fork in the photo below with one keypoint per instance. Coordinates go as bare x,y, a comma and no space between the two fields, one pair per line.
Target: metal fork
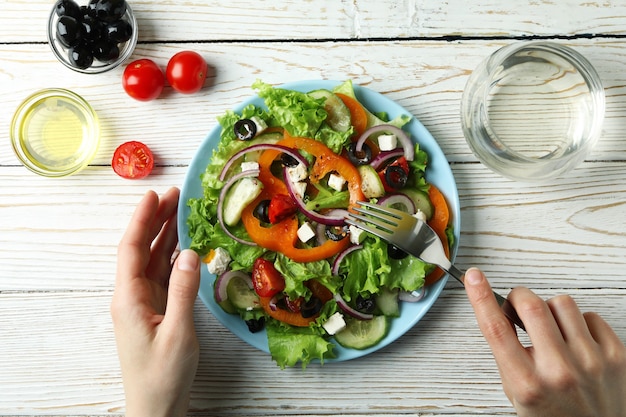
415,237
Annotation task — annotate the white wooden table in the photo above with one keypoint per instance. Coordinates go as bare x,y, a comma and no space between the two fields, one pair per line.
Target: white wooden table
58,237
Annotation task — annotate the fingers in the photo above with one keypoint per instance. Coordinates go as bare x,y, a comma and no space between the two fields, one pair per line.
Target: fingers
494,325
145,225
168,205
133,252
183,289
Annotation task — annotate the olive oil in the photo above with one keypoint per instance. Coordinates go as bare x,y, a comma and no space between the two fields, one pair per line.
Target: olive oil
55,134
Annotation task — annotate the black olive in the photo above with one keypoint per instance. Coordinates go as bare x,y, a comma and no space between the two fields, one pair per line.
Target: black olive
68,31
395,176
67,8
311,307
365,305
288,161
245,129
256,325
119,31
261,211
90,29
80,56
336,233
362,157
105,51
395,252
108,10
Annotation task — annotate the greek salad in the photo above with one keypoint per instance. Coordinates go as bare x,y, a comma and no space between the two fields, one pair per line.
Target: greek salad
270,224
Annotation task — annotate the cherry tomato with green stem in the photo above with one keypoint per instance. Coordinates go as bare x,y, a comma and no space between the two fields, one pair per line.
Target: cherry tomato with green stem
143,80
186,72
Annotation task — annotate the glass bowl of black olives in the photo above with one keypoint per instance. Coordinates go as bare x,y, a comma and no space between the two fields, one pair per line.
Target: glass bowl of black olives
92,36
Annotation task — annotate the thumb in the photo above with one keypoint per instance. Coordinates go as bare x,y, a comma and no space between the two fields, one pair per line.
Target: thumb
183,287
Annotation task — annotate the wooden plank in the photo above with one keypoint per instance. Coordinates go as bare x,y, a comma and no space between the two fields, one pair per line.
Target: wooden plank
60,358
427,78
326,19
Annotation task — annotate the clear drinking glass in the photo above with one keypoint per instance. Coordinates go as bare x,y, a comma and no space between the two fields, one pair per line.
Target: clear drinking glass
533,110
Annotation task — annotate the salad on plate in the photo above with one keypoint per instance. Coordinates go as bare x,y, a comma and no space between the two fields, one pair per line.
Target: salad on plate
270,224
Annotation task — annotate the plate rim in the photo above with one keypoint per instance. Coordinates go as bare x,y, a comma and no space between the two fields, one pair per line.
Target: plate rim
371,100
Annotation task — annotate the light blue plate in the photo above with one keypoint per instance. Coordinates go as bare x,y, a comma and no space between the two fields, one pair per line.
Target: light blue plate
437,173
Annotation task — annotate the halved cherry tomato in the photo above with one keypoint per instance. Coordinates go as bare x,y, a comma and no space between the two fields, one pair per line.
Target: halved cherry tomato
266,279
132,160
395,175
281,207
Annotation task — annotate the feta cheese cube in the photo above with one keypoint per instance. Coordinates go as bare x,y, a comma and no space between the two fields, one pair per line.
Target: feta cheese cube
334,324
297,173
356,235
259,123
306,232
420,215
336,182
387,142
249,166
217,261
299,188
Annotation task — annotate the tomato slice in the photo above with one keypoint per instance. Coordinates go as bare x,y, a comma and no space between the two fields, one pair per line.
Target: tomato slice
281,207
132,160
266,279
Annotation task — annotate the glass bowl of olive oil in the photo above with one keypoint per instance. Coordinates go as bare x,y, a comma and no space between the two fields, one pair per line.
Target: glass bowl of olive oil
55,133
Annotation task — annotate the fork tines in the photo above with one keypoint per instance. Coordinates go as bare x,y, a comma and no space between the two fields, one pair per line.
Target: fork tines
385,222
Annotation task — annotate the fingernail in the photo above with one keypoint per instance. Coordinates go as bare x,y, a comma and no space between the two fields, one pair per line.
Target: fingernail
188,260
474,276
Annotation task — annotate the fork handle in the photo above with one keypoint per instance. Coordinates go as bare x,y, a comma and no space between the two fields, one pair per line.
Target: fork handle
504,304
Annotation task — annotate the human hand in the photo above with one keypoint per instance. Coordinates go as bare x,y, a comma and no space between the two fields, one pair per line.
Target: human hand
152,311
576,365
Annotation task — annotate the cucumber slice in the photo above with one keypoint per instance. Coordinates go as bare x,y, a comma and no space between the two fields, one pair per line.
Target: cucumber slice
241,296
238,197
338,113
371,184
422,202
387,302
361,334
227,306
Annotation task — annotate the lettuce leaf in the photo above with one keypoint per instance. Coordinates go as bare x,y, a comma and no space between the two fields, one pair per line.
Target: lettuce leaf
289,345
299,113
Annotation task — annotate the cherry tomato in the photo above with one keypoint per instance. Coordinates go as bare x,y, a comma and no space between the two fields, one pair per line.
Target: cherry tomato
266,279
281,207
186,72
132,160
143,80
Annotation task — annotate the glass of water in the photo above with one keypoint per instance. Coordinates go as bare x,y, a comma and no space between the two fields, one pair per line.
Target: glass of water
533,110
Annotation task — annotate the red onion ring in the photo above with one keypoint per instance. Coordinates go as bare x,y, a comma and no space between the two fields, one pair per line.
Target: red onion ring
261,147
341,256
220,202
407,144
222,283
398,198
383,157
350,311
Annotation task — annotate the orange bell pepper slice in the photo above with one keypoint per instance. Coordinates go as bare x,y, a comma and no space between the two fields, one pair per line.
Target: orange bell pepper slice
439,223
282,237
